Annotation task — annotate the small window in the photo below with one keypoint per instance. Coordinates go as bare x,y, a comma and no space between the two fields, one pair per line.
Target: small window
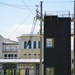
72,60
50,42
34,54
9,55
25,44
38,44
25,54
27,71
50,71
34,44
15,55
29,54
30,45
5,55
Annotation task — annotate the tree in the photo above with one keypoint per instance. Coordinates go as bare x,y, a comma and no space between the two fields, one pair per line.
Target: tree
72,70
8,72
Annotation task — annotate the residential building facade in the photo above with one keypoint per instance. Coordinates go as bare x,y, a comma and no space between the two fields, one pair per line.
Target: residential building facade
27,47
8,50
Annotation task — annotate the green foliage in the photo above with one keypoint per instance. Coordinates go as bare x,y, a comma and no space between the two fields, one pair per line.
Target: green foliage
8,72
72,70
0,73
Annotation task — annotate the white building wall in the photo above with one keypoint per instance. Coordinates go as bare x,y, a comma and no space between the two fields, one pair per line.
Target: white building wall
29,53
1,48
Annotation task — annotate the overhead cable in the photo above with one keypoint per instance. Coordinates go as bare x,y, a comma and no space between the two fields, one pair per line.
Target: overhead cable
31,33
19,25
15,6
58,2
27,7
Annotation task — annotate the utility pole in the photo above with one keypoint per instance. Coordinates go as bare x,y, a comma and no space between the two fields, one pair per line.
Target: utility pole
74,37
39,17
41,38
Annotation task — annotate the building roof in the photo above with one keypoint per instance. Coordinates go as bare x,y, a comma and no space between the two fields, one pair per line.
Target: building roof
8,41
3,61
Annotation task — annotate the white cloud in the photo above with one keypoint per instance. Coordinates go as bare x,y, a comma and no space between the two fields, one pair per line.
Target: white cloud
17,30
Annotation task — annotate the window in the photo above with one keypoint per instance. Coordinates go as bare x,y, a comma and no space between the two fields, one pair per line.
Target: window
34,54
34,44
72,60
29,54
27,71
25,45
49,42
38,44
30,45
50,71
36,71
5,55
9,55
15,55
25,54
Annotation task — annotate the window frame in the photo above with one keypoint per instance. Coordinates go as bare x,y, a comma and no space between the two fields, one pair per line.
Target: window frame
49,42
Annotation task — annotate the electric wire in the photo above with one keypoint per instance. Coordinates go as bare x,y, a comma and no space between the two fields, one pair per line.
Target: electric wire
31,33
19,25
27,7
58,2
15,6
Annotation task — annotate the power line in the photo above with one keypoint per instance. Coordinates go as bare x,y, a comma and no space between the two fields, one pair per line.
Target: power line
15,6
33,27
58,2
27,7
31,33
19,25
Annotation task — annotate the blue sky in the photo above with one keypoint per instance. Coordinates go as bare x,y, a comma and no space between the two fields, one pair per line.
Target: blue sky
12,17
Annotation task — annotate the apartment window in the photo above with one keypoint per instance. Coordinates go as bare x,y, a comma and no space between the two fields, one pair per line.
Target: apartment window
15,55
27,71
9,55
29,44
25,54
72,60
34,44
25,44
50,71
38,44
50,42
34,54
36,71
29,54
5,55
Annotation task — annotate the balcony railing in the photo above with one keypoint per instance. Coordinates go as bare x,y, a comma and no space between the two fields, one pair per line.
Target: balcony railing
10,50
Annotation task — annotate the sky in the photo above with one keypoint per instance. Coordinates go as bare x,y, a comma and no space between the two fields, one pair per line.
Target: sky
17,16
